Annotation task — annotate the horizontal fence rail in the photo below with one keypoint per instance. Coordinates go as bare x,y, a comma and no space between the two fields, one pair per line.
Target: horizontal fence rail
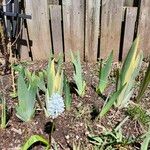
92,27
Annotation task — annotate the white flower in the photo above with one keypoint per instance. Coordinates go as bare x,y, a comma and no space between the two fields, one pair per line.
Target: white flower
55,105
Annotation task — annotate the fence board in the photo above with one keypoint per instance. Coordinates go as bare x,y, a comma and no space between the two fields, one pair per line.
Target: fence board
39,28
55,14
144,26
111,19
130,19
92,29
24,50
128,2
73,23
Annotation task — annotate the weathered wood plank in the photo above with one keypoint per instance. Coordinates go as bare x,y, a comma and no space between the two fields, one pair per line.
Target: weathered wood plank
39,29
128,2
24,50
73,23
111,19
55,15
144,27
53,2
92,29
130,19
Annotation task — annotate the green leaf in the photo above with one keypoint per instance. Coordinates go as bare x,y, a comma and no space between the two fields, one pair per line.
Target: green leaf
26,97
34,139
144,84
68,97
3,116
145,143
104,73
128,73
111,101
78,78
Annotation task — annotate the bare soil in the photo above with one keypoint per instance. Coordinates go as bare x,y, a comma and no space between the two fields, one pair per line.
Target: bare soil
74,125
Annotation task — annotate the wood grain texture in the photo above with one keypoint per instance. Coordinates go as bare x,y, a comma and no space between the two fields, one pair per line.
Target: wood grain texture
55,15
128,2
144,27
111,20
39,30
73,24
92,29
24,50
130,19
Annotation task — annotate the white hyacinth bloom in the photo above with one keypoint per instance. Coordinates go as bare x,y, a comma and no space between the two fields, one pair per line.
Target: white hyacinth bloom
55,105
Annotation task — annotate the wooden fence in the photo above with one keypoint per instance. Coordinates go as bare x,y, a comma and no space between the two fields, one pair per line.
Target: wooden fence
93,27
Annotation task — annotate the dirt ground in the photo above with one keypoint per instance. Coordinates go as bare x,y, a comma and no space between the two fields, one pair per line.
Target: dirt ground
74,125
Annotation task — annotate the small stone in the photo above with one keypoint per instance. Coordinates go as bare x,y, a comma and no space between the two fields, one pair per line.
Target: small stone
67,137
17,131
77,137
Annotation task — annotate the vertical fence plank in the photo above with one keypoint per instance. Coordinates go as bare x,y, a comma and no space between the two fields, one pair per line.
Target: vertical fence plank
39,28
144,26
111,20
128,2
130,19
24,50
55,15
73,23
92,29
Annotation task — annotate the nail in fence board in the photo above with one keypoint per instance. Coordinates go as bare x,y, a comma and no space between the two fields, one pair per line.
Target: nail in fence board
130,19
144,27
111,19
92,29
39,30
55,15
73,23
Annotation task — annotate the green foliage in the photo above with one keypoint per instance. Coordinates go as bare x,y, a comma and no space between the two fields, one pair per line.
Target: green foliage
128,73
3,116
26,97
104,73
34,139
68,97
54,79
110,102
144,84
146,141
139,114
78,77
110,139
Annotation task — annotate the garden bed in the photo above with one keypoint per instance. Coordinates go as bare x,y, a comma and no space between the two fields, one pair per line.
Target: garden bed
78,124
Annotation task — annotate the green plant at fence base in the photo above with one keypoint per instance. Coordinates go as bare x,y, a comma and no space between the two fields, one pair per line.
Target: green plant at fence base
128,73
78,77
3,115
144,84
68,97
54,79
110,139
26,96
104,73
34,139
139,114
54,89
146,141
107,106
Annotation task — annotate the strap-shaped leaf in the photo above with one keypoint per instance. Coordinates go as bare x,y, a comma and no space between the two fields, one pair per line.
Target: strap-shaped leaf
34,139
